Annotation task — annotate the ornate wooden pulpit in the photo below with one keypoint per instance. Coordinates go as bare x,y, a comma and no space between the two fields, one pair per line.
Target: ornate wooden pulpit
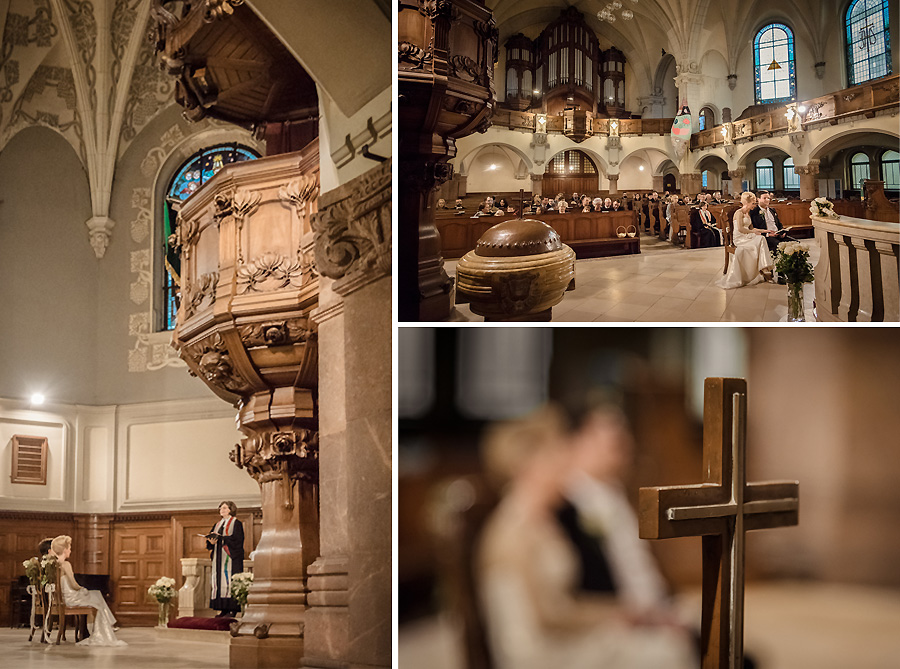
721,510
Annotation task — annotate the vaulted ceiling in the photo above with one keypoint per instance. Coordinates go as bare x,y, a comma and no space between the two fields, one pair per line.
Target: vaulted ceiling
687,29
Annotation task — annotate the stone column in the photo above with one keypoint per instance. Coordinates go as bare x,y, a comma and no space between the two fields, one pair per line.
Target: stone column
537,184
613,183
691,183
348,623
809,187
736,175
658,183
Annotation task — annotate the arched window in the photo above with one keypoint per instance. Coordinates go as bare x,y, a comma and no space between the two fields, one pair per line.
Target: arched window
868,40
773,61
193,173
707,119
791,178
704,178
765,173
572,163
859,169
890,170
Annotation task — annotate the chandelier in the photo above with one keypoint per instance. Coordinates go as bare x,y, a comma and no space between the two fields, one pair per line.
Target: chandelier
608,13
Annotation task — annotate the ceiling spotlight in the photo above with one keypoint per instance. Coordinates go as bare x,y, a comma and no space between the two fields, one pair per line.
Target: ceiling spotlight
641,168
492,166
37,398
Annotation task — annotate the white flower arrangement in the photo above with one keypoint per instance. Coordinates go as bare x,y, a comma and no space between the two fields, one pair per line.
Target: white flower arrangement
822,207
240,586
163,590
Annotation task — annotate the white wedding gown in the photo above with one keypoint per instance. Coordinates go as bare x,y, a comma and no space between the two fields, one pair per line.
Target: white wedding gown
102,633
751,255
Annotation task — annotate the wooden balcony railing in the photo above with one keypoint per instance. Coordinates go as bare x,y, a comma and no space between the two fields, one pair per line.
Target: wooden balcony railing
519,120
867,99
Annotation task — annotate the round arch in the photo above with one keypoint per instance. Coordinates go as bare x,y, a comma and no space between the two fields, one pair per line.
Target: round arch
466,162
595,157
752,148
851,138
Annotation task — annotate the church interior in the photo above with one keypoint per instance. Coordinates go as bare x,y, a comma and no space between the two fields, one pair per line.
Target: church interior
820,410
195,253
526,103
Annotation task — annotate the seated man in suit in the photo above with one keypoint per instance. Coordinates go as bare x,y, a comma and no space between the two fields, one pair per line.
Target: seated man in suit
763,217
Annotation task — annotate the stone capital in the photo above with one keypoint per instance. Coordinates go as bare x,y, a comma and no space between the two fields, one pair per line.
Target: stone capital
737,173
811,169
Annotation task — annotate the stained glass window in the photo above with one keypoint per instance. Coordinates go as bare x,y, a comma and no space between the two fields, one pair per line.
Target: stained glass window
195,172
773,62
765,174
868,40
859,169
890,170
704,177
791,178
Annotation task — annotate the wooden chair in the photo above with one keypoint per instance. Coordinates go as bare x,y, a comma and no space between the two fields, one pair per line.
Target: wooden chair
38,605
57,603
728,243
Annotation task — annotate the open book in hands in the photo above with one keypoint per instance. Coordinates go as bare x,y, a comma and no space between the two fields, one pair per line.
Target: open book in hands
211,536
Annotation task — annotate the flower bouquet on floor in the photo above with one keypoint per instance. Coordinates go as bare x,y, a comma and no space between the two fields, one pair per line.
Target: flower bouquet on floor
163,591
792,262
822,207
240,587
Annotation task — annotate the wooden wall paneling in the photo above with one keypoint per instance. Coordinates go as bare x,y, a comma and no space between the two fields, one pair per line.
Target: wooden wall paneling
144,551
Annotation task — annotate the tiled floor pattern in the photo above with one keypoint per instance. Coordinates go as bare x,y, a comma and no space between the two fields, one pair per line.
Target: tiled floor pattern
665,283
147,649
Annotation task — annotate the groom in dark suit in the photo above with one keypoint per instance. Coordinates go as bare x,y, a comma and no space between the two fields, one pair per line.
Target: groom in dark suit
764,217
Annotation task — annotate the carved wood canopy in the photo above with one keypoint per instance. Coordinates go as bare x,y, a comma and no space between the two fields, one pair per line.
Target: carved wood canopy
230,66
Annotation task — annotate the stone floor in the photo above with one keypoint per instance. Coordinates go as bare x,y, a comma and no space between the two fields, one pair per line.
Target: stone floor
787,626
665,283
146,649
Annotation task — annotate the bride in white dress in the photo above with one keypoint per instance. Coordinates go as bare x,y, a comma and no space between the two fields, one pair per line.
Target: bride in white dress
752,261
74,595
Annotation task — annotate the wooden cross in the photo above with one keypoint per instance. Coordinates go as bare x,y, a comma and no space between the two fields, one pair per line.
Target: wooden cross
720,510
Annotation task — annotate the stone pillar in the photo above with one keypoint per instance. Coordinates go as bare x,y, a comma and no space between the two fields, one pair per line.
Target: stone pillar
658,183
691,183
537,184
613,183
439,102
654,104
737,175
348,623
809,186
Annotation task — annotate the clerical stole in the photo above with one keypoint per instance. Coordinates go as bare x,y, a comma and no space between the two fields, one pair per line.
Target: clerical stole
222,562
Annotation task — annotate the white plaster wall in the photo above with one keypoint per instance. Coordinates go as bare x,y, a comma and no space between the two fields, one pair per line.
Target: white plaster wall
34,425
175,456
105,459
631,177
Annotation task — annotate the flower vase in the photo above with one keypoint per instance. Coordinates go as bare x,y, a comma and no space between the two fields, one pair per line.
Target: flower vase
795,302
163,614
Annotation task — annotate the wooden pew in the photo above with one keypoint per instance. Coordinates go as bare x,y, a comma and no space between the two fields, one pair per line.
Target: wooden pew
593,235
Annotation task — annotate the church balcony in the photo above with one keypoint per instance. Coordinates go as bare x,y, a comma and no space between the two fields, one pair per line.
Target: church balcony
869,99
555,123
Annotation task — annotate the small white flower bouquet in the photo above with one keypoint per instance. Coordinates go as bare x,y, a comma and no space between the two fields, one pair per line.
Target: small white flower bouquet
792,262
822,207
163,590
240,587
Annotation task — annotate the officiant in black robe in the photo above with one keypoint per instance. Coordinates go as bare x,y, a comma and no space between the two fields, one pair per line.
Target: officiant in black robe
226,545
